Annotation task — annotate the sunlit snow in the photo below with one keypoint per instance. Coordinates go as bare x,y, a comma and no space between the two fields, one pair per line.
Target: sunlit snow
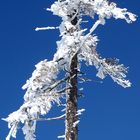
44,87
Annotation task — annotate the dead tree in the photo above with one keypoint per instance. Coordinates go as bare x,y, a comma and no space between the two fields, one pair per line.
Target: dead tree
76,45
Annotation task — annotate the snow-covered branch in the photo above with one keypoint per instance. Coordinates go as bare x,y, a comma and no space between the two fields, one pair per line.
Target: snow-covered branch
44,87
45,28
62,117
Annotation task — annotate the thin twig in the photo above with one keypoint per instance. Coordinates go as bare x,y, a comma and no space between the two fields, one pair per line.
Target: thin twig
62,117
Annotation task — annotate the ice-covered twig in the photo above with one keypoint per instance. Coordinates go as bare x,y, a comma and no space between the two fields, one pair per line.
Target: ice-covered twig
62,117
95,25
46,28
61,137
57,83
80,111
12,132
76,123
85,79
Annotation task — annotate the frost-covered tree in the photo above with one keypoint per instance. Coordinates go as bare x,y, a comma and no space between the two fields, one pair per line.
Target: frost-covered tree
76,45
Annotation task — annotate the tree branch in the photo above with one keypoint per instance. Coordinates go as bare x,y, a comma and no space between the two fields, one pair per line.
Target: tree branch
62,117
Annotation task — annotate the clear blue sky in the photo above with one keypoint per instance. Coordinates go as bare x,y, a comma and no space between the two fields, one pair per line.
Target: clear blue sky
112,112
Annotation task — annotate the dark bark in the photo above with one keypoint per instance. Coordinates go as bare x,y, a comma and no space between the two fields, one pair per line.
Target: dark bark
72,97
71,110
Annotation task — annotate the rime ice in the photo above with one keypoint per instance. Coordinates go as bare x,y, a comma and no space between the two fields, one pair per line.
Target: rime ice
44,87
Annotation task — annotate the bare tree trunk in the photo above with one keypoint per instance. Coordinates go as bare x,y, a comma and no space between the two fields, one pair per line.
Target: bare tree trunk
71,130
71,109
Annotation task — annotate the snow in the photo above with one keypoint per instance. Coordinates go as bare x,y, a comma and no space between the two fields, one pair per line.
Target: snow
61,137
29,130
42,89
76,123
45,28
79,112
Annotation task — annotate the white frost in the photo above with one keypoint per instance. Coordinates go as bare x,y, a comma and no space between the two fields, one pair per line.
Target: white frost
76,123
61,137
79,112
44,88
45,28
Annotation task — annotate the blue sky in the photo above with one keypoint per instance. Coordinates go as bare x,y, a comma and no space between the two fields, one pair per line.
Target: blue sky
112,112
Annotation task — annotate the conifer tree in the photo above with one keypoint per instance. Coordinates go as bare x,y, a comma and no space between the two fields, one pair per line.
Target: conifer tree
75,46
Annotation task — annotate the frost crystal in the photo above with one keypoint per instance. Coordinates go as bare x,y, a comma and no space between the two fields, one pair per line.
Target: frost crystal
61,137
79,112
76,123
44,87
